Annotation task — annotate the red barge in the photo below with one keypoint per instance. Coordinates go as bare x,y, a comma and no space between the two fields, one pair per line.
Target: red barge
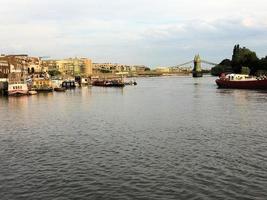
240,81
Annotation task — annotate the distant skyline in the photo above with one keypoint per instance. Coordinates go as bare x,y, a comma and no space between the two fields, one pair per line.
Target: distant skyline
149,32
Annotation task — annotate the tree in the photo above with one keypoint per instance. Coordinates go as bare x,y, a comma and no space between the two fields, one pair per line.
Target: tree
243,57
223,67
54,73
245,70
262,65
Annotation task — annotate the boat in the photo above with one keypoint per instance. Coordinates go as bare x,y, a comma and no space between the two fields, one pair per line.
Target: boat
241,81
32,92
17,84
42,85
17,89
68,84
108,83
131,83
60,89
43,89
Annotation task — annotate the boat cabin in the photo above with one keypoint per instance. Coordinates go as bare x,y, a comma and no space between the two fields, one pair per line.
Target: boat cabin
239,77
68,84
41,83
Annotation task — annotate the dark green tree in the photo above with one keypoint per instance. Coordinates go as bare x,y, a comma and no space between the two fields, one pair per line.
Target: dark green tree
223,67
243,57
54,73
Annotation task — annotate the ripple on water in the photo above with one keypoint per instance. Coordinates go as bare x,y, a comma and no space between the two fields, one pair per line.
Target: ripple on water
192,142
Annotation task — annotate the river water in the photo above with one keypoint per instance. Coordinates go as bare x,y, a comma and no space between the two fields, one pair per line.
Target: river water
167,138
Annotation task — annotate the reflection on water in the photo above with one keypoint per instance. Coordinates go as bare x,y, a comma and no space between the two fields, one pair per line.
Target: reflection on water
167,138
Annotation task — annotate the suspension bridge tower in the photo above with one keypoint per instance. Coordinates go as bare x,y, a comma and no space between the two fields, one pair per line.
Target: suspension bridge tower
197,71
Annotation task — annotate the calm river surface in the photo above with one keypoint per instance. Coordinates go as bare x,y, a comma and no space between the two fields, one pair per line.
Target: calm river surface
167,138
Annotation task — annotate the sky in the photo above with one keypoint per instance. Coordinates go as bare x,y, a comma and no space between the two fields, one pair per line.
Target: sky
149,32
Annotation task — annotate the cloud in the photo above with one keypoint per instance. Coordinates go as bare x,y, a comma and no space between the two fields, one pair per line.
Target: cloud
152,32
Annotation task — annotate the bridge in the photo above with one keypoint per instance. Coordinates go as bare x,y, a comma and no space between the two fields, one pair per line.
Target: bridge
197,70
193,62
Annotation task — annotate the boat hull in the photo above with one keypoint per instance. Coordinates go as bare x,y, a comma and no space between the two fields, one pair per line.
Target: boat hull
17,92
43,89
17,89
32,92
108,83
60,89
253,84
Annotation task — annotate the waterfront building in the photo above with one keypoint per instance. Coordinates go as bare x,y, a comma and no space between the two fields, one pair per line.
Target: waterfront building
13,72
18,63
65,67
75,66
86,66
4,67
21,62
117,68
49,65
162,69
34,65
110,67
141,68
14,67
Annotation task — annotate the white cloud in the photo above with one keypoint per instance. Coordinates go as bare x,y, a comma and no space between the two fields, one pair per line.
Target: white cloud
132,31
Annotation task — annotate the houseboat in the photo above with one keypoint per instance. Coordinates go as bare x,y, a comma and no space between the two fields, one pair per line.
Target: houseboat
241,81
17,84
42,85
108,83
17,89
69,84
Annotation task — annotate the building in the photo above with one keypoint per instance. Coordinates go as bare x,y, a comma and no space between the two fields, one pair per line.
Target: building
34,65
162,69
4,67
14,67
49,65
18,63
87,67
75,66
116,68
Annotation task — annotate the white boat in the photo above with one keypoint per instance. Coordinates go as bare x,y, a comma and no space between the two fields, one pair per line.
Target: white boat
241,81
32,92
16,89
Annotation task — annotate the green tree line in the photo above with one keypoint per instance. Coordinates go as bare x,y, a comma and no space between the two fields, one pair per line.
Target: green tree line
243,61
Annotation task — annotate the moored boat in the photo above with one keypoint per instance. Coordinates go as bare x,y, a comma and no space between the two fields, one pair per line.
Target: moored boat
69,84
60,89
108,83
32,92
17,89
42,85
240,81
43,89
130,83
